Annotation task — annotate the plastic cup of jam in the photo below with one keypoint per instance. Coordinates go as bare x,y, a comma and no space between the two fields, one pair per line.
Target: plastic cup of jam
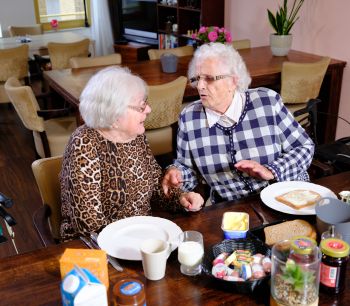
129,292
335,256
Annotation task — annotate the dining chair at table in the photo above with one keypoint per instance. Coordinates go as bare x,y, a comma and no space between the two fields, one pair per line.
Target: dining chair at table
51,135
241,44
104,60
13,63
154,54
35,29
301,82
47,218
61,53
165,101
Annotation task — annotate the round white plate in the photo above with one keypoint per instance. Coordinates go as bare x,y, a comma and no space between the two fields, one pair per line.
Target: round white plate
122,239
269,193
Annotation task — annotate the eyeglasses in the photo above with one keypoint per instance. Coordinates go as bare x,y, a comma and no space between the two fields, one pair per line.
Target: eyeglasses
209,79
140,109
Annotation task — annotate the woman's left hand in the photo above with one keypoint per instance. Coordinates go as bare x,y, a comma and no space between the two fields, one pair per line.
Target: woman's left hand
254,169
192,201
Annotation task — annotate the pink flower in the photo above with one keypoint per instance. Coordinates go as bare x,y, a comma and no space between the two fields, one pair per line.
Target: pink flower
202,30
228,37
54,23
212,36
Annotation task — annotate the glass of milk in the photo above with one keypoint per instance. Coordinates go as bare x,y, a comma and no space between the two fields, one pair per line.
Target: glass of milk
190,252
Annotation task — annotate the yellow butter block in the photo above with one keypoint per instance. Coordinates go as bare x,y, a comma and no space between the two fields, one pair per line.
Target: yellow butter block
93,260
235,221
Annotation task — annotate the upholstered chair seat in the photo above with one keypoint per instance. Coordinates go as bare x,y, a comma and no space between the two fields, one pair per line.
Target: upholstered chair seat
61,53
241,44
36,29
13,63
179,51
165,101
50,136
105,60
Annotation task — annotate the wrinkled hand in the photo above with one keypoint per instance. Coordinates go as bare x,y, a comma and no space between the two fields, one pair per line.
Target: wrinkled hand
171,179
192,201
254,169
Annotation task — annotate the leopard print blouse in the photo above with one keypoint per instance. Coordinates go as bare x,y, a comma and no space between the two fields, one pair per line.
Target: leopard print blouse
102,182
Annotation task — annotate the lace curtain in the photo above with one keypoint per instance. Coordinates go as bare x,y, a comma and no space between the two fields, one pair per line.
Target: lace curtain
101,30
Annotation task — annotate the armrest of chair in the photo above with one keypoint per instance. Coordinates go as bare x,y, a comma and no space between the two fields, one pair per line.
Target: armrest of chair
53,113
41,224
318,169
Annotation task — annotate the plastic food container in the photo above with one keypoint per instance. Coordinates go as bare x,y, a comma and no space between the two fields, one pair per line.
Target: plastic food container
235,225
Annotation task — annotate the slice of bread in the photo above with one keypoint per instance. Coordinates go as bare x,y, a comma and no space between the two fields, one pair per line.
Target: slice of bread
299,198
288,230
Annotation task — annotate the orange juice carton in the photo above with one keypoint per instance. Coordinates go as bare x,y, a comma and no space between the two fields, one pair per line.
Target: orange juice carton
93,260
81,288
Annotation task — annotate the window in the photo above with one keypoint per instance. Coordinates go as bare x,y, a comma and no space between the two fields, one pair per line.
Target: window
69,13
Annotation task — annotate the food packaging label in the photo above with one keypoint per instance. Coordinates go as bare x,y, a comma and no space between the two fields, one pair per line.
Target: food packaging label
81,288
93,260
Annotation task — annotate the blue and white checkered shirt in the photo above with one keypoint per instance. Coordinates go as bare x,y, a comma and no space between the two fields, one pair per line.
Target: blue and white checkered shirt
266,132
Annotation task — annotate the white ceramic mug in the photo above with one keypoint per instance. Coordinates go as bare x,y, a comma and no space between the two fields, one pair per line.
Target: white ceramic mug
155,253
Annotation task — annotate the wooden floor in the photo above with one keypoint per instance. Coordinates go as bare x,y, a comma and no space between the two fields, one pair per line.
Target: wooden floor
17,181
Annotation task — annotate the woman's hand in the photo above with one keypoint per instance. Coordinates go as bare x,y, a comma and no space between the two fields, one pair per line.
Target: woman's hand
254,169
192,201
171,179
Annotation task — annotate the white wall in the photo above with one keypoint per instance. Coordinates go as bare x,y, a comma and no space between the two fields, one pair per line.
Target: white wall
18,12
322,29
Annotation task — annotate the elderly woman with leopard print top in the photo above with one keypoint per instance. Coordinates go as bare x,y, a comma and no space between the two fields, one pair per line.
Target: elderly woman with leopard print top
108,171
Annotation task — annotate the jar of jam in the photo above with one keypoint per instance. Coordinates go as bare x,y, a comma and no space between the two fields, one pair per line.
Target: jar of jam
303,249
129,292
335,256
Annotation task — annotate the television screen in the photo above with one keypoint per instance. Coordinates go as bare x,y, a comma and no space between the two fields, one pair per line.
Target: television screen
140,20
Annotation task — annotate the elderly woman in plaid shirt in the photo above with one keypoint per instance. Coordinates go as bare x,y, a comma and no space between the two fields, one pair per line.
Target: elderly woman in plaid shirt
236,139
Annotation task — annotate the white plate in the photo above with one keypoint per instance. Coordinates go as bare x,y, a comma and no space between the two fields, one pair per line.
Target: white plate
122,239
269,193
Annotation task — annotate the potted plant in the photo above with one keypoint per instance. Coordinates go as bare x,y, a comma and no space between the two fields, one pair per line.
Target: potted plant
282,22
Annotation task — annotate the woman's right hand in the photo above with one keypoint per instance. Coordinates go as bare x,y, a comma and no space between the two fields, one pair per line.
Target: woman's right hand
171,179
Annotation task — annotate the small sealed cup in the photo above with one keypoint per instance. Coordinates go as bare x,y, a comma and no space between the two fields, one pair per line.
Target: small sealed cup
235,224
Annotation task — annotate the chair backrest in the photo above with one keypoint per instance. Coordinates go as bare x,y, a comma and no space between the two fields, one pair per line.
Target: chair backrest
241,44
106,60
165,101
14,62
46,172
302,81
179,51
60,53
25,103
36,29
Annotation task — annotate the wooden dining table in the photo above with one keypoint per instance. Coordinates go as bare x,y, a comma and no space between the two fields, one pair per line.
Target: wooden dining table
264,68
34,278
38,43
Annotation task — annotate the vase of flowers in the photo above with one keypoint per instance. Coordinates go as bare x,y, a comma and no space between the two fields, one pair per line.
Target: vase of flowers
212,34
54,24
282,22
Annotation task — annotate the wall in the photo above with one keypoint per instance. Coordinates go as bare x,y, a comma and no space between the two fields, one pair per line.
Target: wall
19,12
322,29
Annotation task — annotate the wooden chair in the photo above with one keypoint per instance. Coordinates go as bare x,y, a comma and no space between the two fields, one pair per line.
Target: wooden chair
51,135
47,219
241,44
106,60
36,29
61,53
301,82
180,51
165,101
13,63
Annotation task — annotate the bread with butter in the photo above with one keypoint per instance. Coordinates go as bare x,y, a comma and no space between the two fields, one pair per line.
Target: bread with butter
299,198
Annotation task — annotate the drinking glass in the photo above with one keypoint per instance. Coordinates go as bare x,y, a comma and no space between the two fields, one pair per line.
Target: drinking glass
190,252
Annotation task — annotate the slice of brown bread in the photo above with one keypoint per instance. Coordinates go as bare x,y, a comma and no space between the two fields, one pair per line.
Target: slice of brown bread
299,198
288,230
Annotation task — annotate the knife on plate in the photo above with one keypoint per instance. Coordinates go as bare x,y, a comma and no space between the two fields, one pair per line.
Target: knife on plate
92,245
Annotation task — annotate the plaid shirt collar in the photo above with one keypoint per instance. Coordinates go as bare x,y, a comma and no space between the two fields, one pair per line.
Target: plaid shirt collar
232,114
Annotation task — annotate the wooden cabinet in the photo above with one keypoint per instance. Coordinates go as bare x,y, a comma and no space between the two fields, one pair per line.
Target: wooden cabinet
189,15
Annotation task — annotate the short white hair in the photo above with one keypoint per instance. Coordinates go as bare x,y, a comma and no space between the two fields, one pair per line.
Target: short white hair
107,95
227,57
